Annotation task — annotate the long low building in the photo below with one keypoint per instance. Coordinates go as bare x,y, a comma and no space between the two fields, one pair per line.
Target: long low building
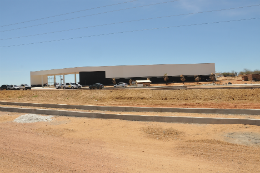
106,74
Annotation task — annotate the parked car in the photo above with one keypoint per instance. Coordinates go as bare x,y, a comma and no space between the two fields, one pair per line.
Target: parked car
75,85
8,87
13,87
59,86
78,85
3,87
121,85
96,86
24,87
69,86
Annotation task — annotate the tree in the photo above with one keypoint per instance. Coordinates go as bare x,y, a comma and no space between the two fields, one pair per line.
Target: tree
212,77
114,81
182,78
196,78
166,78
256,71
130,82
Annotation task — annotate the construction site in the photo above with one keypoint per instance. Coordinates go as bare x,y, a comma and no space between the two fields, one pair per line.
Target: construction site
190,127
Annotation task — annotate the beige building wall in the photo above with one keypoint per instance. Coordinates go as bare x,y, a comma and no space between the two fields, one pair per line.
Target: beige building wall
37,77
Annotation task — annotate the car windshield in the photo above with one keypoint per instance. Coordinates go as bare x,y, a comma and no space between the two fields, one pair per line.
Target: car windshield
73,84
15,86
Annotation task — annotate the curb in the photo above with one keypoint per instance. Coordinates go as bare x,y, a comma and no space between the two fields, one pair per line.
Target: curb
141,109
189,120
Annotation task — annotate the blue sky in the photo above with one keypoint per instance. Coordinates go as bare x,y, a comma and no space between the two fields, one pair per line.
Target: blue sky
54,34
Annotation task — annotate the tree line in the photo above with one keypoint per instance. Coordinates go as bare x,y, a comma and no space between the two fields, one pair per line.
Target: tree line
243,72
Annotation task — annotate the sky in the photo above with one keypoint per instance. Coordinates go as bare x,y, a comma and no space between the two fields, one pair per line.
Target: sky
56,34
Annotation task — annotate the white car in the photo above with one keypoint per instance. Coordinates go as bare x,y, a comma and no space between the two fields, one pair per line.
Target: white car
78,85
59,86
13,87
121,85
70,86
24,87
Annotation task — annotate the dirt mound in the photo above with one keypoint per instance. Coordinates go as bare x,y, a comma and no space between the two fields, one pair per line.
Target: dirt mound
33,118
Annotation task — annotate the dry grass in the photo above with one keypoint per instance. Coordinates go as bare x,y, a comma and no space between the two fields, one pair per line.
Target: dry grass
223,98
160,133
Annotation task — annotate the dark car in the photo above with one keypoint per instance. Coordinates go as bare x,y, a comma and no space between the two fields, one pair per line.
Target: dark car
3,87
96,86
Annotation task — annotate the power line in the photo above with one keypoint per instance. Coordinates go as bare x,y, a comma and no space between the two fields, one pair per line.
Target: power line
122,32
73,12
89,15
200,12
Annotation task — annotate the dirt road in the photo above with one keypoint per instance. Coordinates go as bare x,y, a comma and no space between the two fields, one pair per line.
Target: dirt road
69,144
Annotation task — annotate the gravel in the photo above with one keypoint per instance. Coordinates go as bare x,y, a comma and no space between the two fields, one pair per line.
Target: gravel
33,118
243,138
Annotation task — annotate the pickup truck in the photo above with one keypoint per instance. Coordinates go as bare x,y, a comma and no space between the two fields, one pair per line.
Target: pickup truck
24,87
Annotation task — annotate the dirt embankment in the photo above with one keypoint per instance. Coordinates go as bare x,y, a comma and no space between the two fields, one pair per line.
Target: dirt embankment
210,98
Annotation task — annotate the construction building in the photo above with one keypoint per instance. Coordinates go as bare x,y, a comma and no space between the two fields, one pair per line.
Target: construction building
250,77
123,73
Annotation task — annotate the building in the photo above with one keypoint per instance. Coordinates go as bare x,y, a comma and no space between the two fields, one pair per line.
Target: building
105,74
250,77
143,82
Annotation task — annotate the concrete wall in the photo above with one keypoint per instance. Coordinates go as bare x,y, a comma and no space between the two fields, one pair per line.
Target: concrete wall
132,71
38,79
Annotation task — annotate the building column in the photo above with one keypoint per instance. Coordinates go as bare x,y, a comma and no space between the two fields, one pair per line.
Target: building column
42,81
75,78
54,80
64,79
